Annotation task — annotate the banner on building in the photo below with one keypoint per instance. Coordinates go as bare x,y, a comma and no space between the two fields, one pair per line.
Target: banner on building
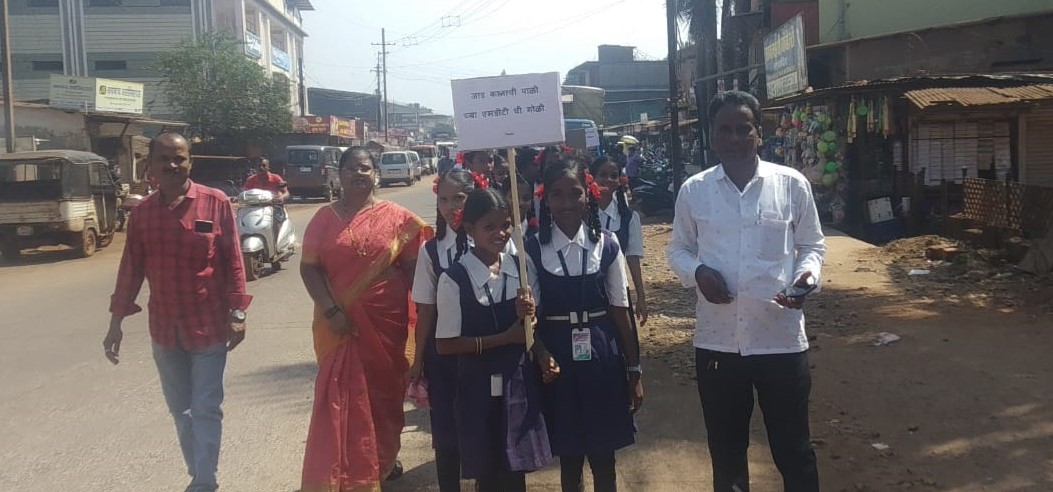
95,94
253,45
404,120
785,63
325,125
508,111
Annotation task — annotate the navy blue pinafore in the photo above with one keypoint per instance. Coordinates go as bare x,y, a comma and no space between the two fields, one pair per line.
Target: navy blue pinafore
587,406
441,373
506,432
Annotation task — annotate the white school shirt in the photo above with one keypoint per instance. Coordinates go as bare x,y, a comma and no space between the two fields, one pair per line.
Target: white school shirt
448,324
424,278
760,240
611,219
573,249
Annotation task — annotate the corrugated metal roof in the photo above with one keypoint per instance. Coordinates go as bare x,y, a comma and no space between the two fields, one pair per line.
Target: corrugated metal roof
978,96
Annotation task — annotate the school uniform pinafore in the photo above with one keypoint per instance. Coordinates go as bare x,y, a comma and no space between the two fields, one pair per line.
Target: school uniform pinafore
441,373
487,424
587,406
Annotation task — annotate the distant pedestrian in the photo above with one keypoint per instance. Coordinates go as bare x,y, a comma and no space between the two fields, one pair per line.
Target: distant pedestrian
445,162
184,242
633,163
481,164
743,232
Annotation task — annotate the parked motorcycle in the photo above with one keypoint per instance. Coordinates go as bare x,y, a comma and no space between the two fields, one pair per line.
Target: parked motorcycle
655,193
259,244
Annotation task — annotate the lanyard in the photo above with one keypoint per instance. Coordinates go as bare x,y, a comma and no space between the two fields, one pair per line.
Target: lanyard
566,273
490,297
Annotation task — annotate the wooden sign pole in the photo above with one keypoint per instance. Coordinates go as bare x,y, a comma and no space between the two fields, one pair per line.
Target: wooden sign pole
517,238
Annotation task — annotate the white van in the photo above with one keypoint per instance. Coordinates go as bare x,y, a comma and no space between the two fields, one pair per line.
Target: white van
399,166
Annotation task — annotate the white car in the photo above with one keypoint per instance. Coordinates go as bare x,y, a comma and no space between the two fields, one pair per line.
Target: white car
399,166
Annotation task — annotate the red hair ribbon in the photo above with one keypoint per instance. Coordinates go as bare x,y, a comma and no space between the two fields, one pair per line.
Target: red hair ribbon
481,181
566,149
435,185
460,158
591,185
458,217
540,191
532,223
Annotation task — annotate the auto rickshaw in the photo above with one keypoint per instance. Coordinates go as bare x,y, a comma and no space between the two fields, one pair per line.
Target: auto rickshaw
56,197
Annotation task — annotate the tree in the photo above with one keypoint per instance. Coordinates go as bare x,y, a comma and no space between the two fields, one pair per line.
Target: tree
223,95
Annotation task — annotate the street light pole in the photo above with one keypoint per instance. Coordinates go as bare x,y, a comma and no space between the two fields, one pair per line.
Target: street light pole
9,97
674,98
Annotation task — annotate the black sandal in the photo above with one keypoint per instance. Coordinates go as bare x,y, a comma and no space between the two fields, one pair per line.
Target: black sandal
396,472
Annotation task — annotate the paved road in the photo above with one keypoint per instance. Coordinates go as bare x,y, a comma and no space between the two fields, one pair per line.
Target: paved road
73,422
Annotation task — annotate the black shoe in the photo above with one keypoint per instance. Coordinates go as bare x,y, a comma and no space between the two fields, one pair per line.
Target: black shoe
396,472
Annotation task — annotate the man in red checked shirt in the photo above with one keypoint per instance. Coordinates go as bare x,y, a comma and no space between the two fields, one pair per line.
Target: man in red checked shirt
184,241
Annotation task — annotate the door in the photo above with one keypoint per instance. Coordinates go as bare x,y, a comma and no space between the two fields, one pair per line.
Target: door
104,196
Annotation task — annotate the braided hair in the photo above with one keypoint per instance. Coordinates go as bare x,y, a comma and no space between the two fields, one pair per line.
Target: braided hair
463,179
568,165
620,191
479,203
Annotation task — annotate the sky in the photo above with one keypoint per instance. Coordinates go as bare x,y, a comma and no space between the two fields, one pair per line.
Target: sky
439,40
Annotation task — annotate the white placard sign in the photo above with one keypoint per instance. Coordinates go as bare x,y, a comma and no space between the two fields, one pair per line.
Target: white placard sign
508,111
592,137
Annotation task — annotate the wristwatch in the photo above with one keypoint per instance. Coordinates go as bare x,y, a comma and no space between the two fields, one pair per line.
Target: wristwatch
237,315
635,369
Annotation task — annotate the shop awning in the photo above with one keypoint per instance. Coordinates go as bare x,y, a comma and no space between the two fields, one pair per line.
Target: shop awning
966,97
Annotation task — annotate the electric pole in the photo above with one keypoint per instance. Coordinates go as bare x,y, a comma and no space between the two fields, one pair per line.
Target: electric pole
9,90
380,100
674,97
384,70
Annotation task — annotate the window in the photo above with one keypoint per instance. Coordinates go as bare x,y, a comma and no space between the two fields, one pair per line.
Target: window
42,3
47,66
111,65
105,3
175,3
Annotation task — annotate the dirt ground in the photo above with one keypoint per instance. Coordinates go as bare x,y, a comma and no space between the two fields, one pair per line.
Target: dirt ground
961,402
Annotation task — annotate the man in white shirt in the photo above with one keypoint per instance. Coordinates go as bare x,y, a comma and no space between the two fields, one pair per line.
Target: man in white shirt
743,232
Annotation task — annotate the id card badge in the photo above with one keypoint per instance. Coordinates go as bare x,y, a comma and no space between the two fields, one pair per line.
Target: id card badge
581,344
496,385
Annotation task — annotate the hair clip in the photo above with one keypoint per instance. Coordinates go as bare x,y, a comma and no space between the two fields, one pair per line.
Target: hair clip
481,181
458,218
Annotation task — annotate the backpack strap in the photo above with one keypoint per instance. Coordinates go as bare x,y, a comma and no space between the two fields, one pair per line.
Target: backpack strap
432,248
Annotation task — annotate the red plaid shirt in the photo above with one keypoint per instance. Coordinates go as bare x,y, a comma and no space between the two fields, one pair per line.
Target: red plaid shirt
196,278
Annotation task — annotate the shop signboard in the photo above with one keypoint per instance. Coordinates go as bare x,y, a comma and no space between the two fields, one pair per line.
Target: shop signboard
325,125
404,120
95,94
253,45
280,59
785,63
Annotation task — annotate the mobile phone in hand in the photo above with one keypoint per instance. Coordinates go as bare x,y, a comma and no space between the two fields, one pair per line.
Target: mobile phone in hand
795,291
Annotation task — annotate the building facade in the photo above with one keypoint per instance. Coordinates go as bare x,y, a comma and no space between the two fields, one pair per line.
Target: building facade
634,90
120,39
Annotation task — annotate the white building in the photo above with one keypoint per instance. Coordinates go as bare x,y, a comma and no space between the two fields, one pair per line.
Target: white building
120,39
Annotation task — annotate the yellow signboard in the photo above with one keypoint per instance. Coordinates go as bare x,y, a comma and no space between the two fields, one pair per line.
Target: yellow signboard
95,94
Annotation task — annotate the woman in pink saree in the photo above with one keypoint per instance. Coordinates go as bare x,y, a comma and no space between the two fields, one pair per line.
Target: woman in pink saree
358,260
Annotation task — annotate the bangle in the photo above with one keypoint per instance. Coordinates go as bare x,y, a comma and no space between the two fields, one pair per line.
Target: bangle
329,313
478,345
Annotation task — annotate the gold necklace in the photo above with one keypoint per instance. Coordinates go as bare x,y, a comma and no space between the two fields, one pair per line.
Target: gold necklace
352,238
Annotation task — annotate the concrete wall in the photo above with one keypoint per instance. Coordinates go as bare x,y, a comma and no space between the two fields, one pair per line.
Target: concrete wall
875,17
61,130
1018,45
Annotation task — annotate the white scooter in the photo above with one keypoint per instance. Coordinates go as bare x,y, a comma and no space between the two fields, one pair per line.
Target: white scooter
256,224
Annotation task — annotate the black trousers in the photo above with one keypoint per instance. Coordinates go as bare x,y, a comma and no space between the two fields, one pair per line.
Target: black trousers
783,382
604,476
448,469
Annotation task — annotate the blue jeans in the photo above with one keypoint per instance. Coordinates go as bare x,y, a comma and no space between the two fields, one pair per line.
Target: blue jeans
192,382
